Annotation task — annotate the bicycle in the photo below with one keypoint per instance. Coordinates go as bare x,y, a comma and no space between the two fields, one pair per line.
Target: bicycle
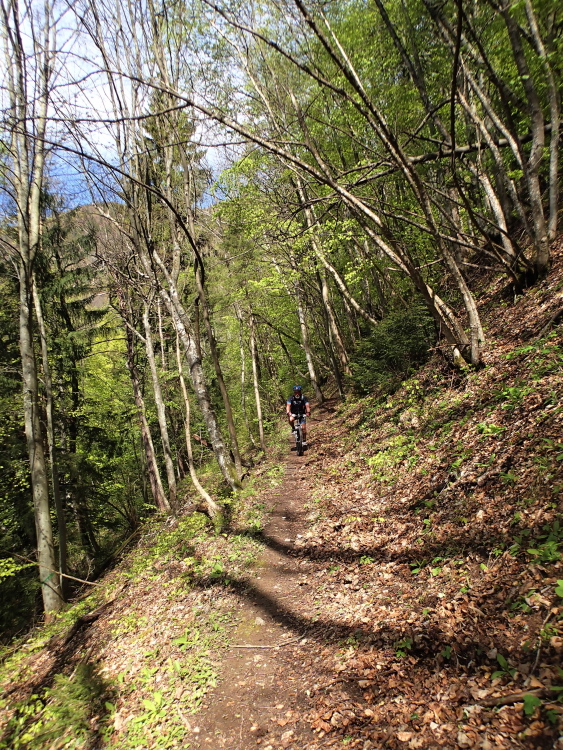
298,430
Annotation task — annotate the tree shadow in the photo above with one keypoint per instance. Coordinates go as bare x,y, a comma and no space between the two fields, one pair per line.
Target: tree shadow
72,707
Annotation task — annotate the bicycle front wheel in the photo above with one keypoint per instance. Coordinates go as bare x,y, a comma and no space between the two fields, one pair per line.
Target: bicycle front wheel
299,442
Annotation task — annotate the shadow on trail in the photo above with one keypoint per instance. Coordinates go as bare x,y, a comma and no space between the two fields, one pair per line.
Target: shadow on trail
429,640
456,546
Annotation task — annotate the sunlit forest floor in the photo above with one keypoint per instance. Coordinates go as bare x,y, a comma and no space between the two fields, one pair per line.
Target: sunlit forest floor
399,586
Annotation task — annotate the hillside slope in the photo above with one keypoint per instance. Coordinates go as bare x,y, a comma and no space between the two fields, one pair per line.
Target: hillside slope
440,509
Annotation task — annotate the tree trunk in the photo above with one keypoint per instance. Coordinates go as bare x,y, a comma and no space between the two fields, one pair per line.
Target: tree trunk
50,583
213,508
61,522
334,331
535,112
191,349
171,298
26,81
243,374
306,345
160,409
254,356
153,472
219,372
555,114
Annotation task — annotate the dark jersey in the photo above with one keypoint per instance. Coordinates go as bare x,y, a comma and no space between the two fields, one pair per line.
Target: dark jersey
298,405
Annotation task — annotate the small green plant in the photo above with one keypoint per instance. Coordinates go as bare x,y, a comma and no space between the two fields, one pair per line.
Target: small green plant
366,560
416,567
531,702
63,712
464,455
446,652
505,668
490,430
508,477
549,544
402,647
547,632
512,396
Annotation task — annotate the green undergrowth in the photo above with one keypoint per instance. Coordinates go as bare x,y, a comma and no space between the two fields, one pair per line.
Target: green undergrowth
135,677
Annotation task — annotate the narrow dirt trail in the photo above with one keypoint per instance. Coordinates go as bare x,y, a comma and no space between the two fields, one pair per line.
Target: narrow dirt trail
270,671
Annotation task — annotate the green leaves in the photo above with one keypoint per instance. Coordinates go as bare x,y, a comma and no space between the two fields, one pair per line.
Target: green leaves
155,704
505,668
402,647
9,567
531,702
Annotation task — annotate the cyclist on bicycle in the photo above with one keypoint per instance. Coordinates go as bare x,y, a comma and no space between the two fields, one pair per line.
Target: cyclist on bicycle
298,407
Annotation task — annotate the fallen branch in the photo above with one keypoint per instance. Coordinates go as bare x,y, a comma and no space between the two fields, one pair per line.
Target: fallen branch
63,575
556,318
505,700
273,645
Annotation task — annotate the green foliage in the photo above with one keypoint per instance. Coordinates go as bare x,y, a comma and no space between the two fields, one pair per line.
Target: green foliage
547,544
62,716
490,430
402,647
446,652
9,567
388,353
396,449
505,668
531,702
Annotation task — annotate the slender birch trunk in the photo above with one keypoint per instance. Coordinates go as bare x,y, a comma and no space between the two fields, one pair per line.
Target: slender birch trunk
243,373
193,357
254,355
61,522
334,330
27,81
148,447
219,372
213,508
306,345
160,409
555,115
50,582
537,123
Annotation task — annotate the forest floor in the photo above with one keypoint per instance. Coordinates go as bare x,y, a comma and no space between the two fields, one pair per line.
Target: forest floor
399,586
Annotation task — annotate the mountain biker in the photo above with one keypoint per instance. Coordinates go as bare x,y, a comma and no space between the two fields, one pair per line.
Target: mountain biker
298,406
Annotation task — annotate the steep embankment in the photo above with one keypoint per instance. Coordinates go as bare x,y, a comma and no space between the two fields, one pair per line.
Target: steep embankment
441,530
405,591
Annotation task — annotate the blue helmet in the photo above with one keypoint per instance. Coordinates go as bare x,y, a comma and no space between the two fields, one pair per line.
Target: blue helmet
297,388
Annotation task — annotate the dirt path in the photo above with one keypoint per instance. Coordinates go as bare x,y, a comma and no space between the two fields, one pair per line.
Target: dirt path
271,672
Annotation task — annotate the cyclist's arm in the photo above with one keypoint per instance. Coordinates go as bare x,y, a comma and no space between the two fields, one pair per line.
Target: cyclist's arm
307,408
